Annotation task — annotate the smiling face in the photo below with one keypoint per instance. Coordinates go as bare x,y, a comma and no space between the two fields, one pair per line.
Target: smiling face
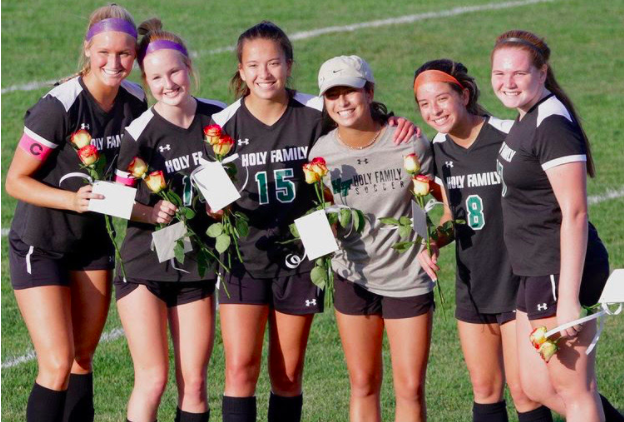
516,82
347,106
442,107
264,69
167,76
111,55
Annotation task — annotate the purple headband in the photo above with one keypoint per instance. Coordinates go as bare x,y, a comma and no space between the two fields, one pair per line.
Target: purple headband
162,45
523,42
112,24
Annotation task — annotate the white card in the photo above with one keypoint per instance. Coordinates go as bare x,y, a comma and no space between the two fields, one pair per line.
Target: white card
118,199
614,290
165,241
419,219
316,235
216,186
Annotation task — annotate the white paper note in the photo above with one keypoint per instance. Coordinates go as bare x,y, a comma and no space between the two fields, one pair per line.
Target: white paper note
614,289
216,186
316,235
419,220
118,199
165,241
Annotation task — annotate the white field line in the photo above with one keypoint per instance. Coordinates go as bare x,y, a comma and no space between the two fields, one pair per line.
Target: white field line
456,11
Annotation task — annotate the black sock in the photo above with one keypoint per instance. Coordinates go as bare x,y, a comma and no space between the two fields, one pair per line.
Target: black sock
285,409
79,401
239,409
611,413
45,405
541,414
493,412
182,416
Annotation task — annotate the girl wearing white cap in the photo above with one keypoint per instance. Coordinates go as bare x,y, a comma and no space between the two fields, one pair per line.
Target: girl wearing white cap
60,255
375,288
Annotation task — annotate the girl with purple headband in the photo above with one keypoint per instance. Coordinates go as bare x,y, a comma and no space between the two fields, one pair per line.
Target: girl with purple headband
60,255
155,296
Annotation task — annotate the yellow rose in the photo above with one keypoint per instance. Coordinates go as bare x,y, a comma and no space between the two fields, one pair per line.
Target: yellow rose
212,134
538,337
421,185
224,145
88,155
155,181
137,168
81,138
311,176
411,164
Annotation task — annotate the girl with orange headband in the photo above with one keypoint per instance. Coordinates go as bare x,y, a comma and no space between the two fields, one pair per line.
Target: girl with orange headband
465,151
60,255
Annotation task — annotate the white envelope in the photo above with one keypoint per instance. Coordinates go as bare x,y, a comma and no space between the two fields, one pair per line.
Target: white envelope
316,235
216,186
419,219
614,290
118,199
165,241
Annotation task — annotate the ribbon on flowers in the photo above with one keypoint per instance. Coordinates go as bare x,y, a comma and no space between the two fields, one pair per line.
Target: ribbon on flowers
605,311
75,174
231,158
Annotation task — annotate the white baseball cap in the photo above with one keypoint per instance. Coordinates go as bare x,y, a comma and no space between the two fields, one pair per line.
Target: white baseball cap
350,71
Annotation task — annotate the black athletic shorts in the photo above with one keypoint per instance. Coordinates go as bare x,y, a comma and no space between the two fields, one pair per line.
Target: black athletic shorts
473,316
172,293
294,294
352,299
34,267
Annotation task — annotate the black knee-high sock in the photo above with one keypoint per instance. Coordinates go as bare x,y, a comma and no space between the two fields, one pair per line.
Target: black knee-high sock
182,416
79,401
493,412
239,409
541,414
611,413
45,405
285,409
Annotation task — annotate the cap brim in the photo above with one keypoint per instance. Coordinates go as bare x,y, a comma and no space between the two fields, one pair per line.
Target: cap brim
346,81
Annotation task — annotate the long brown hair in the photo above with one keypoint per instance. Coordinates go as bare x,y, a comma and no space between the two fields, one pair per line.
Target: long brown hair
539,53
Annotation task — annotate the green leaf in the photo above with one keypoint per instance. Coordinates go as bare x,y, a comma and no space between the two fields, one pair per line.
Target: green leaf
188,213
402,246
242,227
241,216
174,198
390,221
405,221
294,231
178,251
223,242
319,277
460,221
345,217
332,217
405,231
215,230
359,221
320,262
201,263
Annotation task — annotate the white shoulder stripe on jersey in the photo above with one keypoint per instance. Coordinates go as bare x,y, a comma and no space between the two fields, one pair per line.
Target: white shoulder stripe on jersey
439,138
212,102
439,181
222,117
134,89
39,139
139,124
551,107
66,93
502,125
563,160
308,100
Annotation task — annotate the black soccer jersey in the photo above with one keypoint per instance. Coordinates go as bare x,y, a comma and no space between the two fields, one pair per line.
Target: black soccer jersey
276,193
49,124
547,136
483,278
176,151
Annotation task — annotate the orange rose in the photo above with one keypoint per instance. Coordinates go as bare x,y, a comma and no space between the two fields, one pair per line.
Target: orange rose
212,134
311,176
81,138
137,168
421,185
155,181
88,155
411,164
223,146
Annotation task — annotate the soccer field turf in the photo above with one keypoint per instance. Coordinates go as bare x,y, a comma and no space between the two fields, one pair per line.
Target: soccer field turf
41,42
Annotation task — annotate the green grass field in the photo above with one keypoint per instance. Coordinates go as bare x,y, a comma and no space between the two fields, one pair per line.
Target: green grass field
41,42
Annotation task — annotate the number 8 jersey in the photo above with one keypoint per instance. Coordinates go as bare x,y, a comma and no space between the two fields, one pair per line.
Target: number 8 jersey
270,161
473,188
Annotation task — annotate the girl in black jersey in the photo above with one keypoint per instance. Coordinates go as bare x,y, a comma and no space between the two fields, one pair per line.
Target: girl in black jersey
170,295
274,128
61,257
556,252
465,151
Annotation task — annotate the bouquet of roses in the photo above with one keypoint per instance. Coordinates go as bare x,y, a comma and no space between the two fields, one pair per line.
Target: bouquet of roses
233,225
322,274
95,165
156,183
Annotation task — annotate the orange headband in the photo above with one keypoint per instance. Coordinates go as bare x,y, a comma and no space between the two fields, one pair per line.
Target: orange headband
433,75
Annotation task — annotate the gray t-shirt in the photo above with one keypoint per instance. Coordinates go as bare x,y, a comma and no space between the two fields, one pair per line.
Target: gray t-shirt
373,180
